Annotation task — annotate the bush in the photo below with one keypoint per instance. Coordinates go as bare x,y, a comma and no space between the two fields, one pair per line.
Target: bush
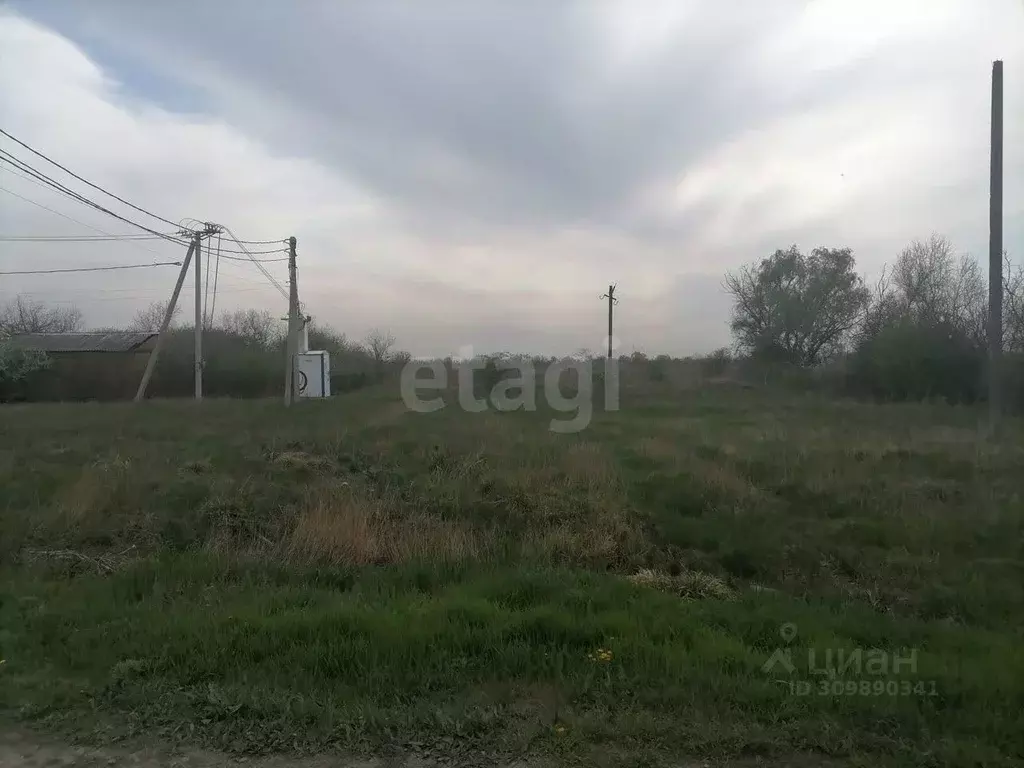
717,363
914,360
16,368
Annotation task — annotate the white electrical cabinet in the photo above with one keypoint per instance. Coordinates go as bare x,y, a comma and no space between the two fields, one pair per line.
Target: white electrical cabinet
314,379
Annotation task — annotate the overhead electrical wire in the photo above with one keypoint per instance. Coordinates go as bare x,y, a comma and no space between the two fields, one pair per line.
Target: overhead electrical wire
86,181
216,278
82,223
263,242
270,277
14,169
73,238
12,160
206,282
51,210
257,261
145,295
33,174
93,268
41,178
208,310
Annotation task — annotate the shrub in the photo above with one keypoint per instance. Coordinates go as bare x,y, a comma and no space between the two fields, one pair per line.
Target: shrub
913,360
16,368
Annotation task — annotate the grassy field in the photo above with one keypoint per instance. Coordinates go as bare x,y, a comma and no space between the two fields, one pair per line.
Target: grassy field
349,576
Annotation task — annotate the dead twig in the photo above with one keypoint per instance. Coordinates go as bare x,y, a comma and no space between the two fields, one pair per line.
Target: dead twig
102,563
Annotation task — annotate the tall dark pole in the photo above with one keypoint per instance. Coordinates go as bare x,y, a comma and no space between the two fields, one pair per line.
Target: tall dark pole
995,252
612,301
292,344
198,354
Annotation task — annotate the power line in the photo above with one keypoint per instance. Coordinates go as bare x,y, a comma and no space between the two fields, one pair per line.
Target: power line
257,261
259,266
216,279
73,238
93,269
256,253
263,242
76,221
86,181
135,297
38,177
21,165
243,276
51,210
20,174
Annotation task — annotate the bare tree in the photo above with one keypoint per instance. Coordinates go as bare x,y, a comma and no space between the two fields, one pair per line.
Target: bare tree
27,316
152,317
255,325
930,285
379,344
1013,307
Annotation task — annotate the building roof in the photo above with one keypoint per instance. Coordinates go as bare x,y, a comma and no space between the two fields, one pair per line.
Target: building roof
116,341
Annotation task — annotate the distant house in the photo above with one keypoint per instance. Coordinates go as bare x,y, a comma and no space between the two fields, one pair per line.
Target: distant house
87,366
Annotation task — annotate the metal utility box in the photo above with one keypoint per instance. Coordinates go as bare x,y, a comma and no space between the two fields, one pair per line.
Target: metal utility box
314,374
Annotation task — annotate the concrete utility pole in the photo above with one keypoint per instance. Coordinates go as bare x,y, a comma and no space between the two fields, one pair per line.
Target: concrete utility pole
292,345
168,314
995,253
612,301
198,240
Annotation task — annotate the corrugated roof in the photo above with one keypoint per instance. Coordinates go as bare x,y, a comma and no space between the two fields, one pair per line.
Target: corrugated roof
118,341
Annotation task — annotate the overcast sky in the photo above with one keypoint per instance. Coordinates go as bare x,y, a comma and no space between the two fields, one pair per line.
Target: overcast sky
468,173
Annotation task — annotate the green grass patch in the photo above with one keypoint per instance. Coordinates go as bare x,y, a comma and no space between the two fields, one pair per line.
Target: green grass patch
349,575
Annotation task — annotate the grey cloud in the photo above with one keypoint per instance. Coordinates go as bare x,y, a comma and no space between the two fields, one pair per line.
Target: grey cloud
472,110
498,126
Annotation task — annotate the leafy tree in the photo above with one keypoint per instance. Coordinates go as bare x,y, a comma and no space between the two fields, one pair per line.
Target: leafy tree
797,309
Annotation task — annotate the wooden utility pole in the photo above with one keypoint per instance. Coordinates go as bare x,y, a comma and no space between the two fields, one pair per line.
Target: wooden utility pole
292,345
995,253
612,301
198,240
168,314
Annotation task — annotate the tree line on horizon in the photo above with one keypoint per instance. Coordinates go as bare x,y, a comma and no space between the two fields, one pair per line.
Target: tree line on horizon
243,350
920,331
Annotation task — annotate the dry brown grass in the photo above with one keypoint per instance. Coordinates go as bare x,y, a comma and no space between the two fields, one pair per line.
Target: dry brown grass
720,477
606,538
580,493
342,525
591,466
302,460
100,489
692,585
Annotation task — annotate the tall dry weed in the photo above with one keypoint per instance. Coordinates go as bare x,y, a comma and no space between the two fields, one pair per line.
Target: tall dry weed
343,525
